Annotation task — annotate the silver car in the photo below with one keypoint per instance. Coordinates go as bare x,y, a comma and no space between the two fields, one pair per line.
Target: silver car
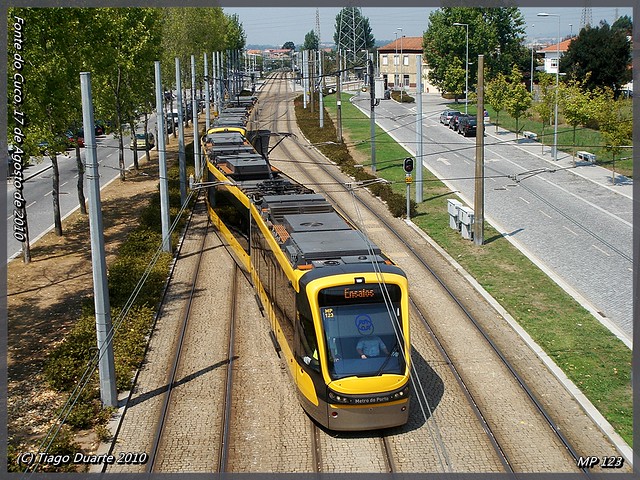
445,117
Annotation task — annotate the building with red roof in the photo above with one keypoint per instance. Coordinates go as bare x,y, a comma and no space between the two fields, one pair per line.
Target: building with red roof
552,55
397,63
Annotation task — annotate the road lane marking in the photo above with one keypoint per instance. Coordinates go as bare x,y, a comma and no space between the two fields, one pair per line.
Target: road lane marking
31,204
48,193
525,201
567,228
545,214
598,248
443,160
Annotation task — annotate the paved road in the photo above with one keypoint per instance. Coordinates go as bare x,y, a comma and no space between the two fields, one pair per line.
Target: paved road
574,223
38,186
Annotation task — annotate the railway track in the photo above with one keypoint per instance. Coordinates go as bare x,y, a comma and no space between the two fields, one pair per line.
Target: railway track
264,428
497,437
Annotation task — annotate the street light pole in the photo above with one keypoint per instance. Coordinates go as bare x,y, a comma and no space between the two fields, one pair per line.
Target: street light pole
401,70
555,121
533,45
466,71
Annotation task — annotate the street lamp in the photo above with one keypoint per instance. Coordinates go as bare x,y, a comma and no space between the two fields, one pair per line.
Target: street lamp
396,60
466,70
533,46
401,70
555,122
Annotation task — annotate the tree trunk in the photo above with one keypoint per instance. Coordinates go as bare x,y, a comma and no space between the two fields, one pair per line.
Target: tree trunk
55,195
132,125
121,154
173,126
146,132
26,246
81,198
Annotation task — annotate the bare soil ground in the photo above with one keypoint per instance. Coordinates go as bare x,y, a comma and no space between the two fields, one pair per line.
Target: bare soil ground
45,297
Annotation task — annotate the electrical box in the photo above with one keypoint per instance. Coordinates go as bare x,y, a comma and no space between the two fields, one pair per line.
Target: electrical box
466,222
379,88
453,206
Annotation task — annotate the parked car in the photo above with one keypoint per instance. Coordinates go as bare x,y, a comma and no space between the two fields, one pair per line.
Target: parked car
467,125
74,138
172,118
445,117
142,140
455,119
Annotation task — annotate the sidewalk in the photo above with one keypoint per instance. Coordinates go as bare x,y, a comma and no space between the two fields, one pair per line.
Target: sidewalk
587,170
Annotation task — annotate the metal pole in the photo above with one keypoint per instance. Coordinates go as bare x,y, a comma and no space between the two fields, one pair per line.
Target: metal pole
182,161
338,101
206,93
419,150
312,84
478,207
106,364
162,161
304,79
372,91
321,89
408,181
194,109
555,122
466,78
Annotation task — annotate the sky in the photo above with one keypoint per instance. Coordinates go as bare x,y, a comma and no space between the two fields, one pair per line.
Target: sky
277,25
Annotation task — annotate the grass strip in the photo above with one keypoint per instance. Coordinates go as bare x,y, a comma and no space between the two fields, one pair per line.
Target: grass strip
587,139
589,354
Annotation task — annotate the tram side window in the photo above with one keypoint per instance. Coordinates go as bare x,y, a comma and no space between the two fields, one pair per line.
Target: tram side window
308,347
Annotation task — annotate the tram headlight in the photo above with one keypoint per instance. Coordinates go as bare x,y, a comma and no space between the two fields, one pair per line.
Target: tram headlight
404,393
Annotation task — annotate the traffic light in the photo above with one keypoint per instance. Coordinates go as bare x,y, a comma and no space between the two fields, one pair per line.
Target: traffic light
408,165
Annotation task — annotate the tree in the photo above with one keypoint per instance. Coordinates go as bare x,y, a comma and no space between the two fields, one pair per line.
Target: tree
518,98
616,129
576,105
495,94
601,53
130,42
624,24
454,78
546,105
498,33
311,41
52,78
289,46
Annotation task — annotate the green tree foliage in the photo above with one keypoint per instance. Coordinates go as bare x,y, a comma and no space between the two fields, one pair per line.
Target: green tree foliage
454,78
311,41
497,33
289,46
130,39
495,94
614,123
575,102
601,56
518,99
235,37
624,24
545,105
52,83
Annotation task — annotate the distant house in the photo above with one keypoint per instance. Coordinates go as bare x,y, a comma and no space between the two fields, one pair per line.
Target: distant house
397,63
552,55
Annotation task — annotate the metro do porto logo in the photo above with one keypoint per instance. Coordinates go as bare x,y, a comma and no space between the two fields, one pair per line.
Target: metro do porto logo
364,324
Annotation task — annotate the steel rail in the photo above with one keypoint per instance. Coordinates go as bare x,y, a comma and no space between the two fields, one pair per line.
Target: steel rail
540,408
172,377
223,452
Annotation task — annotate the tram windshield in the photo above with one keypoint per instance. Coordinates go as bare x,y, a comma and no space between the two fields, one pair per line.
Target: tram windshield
363,333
